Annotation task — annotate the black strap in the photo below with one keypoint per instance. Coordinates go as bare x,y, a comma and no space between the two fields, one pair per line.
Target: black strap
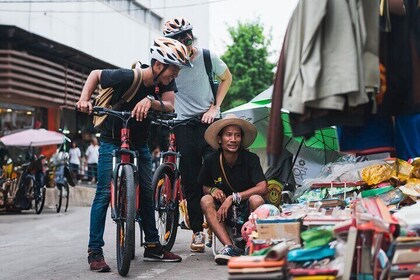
162,106
131,91
223,171
209,70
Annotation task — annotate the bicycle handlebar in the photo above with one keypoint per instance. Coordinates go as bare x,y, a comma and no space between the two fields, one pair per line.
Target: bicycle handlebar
174,123
125,115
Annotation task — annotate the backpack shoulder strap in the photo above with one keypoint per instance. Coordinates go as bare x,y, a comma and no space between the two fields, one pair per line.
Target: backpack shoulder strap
132,90
209,70
207,62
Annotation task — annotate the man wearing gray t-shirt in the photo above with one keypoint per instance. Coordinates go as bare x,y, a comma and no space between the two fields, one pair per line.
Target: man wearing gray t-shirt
195,98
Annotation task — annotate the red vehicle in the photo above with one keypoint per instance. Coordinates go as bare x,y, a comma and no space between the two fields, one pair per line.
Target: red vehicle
168,192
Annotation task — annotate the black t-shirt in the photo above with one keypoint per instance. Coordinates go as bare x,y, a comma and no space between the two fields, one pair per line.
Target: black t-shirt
245,174
121,80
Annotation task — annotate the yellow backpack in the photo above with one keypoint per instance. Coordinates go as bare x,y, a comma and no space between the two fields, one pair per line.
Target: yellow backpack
103,99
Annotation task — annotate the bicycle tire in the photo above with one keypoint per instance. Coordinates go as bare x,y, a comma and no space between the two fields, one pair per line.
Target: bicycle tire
66,196
59,198
39,200
166,210
126,211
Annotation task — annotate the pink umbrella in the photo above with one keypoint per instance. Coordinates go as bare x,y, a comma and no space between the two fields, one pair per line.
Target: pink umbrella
34,138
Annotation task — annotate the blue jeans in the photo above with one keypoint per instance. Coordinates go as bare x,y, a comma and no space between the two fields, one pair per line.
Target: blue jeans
75,169
92,171
102,196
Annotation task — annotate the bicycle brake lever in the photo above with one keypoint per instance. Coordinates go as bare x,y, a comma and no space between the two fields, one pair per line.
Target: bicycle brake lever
99,111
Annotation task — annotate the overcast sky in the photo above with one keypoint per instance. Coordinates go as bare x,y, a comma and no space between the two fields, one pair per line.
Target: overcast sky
274,14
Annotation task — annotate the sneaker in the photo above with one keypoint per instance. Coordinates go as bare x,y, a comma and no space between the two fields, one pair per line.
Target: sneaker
155,253
226,253
198,242
97,262
183,225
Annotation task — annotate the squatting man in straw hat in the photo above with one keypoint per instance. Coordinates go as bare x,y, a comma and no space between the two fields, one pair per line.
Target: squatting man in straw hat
233,181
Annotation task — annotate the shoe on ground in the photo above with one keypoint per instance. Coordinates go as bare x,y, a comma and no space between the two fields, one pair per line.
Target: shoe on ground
97,262
226,253
154,252
183,225
198,242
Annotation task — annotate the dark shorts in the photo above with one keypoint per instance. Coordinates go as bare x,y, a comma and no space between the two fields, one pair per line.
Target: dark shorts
242,213
233,225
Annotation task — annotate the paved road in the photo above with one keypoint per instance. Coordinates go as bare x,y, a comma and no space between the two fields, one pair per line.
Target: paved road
53,246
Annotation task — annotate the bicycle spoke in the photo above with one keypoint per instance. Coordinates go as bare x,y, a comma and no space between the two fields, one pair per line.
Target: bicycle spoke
125,219
166,208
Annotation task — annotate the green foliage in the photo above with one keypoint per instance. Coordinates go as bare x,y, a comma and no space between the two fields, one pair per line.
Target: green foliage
247,59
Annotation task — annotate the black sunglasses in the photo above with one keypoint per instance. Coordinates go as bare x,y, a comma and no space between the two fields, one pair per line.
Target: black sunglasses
185,39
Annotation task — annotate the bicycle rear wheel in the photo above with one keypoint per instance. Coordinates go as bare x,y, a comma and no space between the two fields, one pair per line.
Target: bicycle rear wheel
39,197
66,195
126,211
58,198
166,208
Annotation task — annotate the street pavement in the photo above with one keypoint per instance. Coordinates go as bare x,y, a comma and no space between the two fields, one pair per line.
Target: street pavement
54,246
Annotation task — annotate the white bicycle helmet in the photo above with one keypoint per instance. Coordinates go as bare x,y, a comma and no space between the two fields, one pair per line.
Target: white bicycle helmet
170,51
176,26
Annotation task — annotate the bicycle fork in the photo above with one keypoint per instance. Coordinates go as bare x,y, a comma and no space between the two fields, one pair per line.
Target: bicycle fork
126,156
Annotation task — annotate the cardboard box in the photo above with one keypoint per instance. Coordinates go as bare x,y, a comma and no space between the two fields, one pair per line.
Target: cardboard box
279,229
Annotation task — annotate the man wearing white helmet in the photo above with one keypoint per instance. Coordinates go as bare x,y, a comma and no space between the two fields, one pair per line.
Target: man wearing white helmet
195,98
158,82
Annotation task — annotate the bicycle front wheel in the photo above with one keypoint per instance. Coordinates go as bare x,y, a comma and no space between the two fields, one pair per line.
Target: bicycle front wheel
39,197
166,206
126,211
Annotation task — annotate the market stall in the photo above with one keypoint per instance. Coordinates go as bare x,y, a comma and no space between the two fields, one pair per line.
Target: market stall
356,220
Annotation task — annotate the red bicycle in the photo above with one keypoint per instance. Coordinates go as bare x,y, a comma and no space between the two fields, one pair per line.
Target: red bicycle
125,190
167,190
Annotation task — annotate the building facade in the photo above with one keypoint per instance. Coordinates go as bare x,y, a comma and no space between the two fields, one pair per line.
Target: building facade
47,49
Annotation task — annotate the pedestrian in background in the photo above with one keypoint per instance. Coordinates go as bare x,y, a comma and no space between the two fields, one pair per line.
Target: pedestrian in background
74,159
92,155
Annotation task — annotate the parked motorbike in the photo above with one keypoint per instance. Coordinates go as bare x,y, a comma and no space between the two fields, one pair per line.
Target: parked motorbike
23,186
7,184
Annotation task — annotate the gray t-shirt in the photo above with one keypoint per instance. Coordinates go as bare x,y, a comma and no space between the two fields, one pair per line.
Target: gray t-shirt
194,94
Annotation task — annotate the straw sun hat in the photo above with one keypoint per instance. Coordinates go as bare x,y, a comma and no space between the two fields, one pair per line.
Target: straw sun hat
249,131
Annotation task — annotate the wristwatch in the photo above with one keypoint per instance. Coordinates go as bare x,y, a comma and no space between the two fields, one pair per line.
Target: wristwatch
151,98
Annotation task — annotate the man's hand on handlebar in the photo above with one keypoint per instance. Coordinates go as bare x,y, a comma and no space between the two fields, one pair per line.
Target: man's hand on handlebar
142,108
84,106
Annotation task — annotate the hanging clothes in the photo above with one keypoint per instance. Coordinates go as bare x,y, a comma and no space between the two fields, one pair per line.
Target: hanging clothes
328,69
400,53
399,97
332,64
331,52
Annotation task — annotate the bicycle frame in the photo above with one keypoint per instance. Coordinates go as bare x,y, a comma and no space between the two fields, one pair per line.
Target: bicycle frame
172,158
125,191
127,156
